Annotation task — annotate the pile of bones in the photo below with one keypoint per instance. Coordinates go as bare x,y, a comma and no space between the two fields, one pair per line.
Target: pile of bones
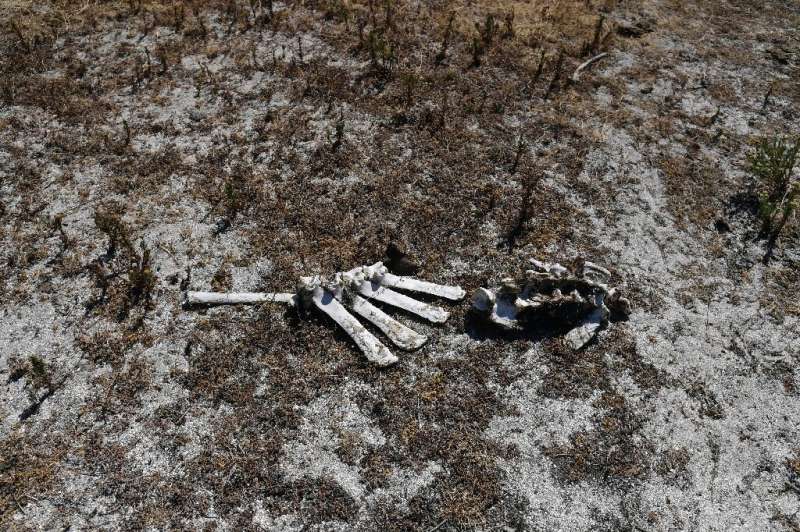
580,298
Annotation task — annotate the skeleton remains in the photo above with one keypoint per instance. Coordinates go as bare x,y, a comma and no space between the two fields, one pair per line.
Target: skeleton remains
551,290
352,289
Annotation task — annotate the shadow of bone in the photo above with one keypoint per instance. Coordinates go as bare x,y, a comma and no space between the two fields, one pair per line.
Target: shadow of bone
534,328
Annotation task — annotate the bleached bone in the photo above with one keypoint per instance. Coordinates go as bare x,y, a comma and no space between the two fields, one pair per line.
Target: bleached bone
586,64
553,269
454,293
398,333
401,301
372,282
499,311
238,298
333,296
554,291
592,268
375,351
583,334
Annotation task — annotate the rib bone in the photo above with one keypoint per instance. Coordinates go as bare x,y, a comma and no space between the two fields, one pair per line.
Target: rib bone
372,347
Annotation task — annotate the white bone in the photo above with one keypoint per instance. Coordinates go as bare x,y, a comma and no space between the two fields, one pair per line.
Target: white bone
398,333
583,333
240,298
589,267
540,291
402,301
332,295
498,309
483,300
372,347
555,269
583,66
454,293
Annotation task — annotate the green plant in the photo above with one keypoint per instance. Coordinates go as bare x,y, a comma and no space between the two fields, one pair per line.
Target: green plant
773,164
484,40
381,51
446,40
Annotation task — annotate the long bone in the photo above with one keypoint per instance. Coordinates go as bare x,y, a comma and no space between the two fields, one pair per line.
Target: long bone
402,301
334,296
239,298
344,288
398,333
453,293
372,282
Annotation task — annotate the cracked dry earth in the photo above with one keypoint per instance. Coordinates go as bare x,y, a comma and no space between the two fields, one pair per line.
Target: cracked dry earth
148,147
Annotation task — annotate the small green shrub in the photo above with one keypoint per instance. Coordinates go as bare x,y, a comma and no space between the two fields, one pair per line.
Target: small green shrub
382,52
773,164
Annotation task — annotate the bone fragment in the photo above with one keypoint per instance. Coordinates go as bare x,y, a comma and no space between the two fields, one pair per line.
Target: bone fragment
583,334
554,269
498,309
592,268
586,64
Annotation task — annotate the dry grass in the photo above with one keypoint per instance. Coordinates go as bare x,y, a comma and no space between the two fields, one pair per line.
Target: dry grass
577,26
27,468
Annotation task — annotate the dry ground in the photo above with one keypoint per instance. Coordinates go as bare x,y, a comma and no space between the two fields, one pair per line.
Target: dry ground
148,147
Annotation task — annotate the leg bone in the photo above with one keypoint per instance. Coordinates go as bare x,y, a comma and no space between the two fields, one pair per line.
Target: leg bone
454,293
238,298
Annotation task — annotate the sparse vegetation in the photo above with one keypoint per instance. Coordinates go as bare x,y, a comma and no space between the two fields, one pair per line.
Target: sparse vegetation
149,147
121,259
773,164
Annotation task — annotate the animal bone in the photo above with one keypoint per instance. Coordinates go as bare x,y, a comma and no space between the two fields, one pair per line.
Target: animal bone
586,64
352,289
238,298
551,290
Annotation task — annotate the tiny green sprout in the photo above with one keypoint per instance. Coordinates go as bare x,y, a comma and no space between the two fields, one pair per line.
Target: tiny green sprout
409,81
